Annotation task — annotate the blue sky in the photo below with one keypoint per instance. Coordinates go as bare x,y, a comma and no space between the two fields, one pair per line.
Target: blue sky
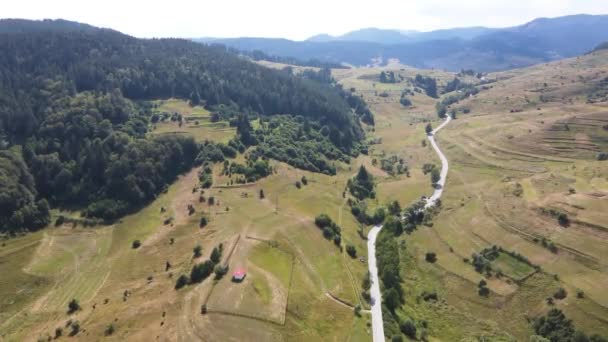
293,19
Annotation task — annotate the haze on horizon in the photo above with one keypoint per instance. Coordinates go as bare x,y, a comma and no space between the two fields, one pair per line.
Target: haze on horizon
273,18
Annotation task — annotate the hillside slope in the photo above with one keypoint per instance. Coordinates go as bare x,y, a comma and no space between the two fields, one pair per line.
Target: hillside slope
75,100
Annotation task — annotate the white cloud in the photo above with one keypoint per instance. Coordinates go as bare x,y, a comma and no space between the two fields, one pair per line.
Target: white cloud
291,19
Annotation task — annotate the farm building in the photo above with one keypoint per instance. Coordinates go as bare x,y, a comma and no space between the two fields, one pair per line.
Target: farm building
239,275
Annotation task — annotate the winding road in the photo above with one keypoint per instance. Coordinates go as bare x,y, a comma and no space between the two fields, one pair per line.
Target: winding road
376,296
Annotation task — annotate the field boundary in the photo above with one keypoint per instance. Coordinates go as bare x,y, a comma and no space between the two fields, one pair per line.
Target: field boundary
283,318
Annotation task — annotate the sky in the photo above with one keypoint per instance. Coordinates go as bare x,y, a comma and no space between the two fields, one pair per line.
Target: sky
296,20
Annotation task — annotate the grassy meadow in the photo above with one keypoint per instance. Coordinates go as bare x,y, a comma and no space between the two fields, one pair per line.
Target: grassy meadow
511,162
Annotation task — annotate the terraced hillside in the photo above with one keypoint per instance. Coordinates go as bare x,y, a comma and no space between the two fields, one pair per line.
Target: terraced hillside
524,176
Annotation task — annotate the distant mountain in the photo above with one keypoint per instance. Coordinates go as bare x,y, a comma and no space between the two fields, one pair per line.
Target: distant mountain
479,48
375,35
393,37
603,46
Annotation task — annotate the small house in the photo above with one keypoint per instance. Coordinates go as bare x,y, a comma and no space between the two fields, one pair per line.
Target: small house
239,275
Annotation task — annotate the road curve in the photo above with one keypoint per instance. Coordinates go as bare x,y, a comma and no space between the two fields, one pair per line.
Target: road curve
444,165
376,296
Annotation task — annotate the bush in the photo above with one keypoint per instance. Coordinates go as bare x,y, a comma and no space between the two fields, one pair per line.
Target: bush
351,250
561,293
197,251
602,156
397,338
405,101
109,329
73,306
304,180
435,176
216,255
58,332
408,328
220,271
136,244
75,328
563,220
431,257
182,281
203,222
484,291
428,129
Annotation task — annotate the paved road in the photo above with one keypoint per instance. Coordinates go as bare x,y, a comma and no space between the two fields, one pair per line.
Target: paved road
377,323
376,296
444,165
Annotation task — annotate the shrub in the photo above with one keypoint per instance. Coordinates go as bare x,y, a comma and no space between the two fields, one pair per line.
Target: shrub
428,129
109,329
58,332
216,255
298,185
262,194
408,328
602,156
561,293
73,306
75,328
435,176
563,220
203,222
428,296
484,291
323,220
304,180
220,271
405,101
397,338
197,251
357,310
337,240
136,244
431,257
351,250
182,281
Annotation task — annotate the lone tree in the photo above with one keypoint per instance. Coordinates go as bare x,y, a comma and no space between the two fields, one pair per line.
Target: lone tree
431,257
203,222
428,129
73,306
351,250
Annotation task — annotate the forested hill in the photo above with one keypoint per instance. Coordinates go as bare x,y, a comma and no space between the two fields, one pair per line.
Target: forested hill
74,114
103,60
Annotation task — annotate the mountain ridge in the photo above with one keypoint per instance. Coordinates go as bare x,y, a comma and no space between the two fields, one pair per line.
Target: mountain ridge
485,49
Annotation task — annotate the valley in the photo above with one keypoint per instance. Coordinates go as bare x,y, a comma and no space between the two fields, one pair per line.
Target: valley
260,196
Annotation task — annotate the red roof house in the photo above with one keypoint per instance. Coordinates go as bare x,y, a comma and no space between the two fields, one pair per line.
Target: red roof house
239,275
